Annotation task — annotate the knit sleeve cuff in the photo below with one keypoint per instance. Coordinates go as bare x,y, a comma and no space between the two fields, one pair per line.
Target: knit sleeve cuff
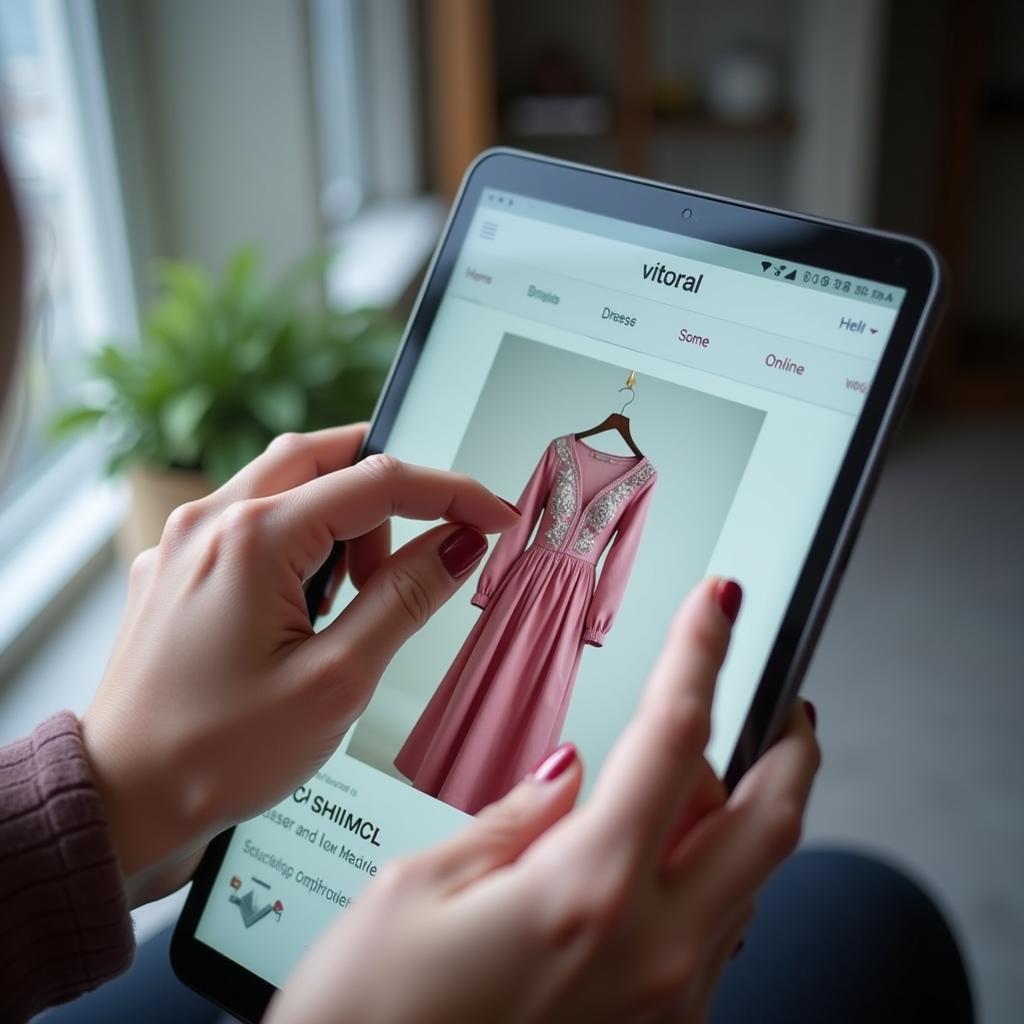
594,637
64,918
480,599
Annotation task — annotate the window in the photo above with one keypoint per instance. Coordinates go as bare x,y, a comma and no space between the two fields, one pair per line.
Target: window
56,134
364,88
366,95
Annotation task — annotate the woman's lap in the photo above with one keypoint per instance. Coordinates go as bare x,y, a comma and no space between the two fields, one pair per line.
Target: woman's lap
841,937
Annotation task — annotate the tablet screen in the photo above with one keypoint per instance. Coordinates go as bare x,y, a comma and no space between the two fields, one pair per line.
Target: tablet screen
741,377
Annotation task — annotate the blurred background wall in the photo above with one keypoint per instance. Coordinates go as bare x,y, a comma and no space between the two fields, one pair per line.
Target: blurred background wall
145,130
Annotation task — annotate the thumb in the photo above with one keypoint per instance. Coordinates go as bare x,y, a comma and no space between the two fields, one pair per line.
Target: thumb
398,599
505,829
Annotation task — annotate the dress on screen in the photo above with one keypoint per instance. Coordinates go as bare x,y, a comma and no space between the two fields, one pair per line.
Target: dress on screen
501,705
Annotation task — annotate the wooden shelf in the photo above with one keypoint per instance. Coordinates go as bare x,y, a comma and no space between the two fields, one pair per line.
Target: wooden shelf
781,125
964,369
695,123
533,140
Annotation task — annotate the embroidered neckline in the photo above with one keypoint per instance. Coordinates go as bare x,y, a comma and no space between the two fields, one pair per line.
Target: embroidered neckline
563,495
602,507
601,510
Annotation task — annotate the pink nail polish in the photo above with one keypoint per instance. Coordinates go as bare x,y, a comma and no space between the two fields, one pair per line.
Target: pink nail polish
730,597
556,763
461,551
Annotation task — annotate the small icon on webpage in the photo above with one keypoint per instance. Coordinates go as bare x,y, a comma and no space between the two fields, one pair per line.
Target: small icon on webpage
252,912
488,230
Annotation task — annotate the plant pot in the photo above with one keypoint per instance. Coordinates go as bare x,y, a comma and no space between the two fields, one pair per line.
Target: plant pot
155,493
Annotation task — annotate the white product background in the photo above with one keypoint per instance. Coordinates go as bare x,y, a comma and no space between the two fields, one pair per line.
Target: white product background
700,446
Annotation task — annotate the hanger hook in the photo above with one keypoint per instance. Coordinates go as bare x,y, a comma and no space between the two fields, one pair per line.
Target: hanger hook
629,386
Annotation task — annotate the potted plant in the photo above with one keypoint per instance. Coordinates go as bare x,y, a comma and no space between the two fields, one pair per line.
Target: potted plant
223,366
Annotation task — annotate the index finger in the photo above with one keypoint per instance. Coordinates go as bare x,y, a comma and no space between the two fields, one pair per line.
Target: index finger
650,774
352,502
291,460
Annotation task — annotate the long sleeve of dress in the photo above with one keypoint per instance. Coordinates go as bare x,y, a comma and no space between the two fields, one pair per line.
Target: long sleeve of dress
64,922
618,564
512,543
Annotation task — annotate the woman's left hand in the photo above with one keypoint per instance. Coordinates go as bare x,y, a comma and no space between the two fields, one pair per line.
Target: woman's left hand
624,909
220,698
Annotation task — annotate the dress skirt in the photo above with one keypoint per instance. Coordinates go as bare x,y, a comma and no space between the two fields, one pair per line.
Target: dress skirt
501,706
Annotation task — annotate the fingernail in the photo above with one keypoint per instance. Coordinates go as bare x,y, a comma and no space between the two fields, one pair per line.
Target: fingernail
812,714
460,551
556,763
730,597
738,949
515,508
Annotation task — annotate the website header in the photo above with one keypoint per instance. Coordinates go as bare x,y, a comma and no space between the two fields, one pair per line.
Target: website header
771,269
684,313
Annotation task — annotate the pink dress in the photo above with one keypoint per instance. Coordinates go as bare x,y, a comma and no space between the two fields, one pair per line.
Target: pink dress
501,705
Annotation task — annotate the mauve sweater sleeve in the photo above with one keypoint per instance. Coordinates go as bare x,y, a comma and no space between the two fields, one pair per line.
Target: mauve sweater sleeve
64,922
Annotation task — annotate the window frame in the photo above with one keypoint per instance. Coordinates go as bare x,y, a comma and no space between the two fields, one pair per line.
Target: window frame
60,518
365,104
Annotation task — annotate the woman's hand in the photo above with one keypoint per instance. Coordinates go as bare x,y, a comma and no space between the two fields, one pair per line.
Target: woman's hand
626,908
219,697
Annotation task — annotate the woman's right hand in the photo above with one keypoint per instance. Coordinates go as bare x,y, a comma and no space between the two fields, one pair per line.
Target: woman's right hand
220,698
627,908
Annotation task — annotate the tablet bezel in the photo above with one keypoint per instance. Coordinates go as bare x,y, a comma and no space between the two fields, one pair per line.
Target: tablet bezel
795,238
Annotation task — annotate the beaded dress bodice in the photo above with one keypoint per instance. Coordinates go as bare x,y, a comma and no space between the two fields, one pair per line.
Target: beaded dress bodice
581,525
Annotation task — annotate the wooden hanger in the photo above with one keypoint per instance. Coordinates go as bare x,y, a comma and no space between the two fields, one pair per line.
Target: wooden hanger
617,421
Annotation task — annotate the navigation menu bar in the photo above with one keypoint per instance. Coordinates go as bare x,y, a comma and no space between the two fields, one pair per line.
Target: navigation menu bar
763,359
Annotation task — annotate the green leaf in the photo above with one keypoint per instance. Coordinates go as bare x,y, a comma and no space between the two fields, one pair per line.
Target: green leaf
184,283
112,363
120,461
251,353
72,420
182,414
321,366
229,451
242,268
280,405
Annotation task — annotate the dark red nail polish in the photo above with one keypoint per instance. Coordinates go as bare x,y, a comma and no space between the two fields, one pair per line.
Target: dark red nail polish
515,508
738,949
556,763
461,551
812,714
730,597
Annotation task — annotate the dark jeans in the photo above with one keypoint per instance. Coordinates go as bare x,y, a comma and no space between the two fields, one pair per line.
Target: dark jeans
839,938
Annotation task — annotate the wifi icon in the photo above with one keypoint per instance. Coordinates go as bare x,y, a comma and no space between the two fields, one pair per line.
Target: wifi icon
766,265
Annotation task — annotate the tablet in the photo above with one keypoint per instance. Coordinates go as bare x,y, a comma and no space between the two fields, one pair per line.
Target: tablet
670,385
